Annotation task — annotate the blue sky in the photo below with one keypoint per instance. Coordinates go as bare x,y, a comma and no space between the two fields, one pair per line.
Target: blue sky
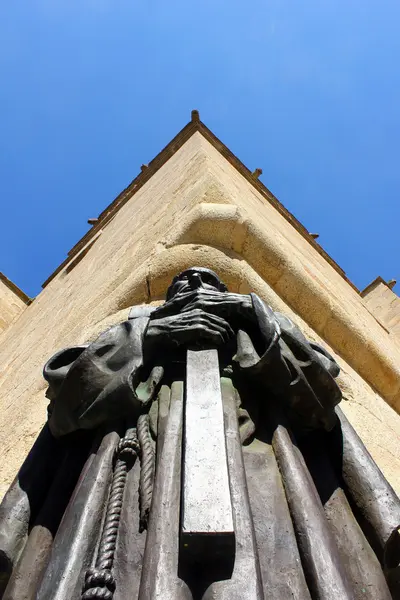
308,91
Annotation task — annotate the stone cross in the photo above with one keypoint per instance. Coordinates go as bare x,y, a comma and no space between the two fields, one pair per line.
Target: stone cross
207,532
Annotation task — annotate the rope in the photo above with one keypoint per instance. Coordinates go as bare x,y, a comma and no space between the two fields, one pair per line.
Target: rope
147,458
99,582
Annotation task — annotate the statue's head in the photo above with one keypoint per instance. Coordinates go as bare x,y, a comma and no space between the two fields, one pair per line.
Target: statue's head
193,278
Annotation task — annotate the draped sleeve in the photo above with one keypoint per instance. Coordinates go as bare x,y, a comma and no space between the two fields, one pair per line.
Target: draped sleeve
89,385
300,372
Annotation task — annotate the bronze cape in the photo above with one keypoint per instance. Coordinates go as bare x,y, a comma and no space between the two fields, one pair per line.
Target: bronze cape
94,510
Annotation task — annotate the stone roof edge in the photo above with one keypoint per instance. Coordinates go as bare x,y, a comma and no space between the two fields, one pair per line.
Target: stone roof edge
15,289
195,125
374,283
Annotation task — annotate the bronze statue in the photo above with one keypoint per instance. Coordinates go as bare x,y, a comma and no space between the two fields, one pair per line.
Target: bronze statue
194,451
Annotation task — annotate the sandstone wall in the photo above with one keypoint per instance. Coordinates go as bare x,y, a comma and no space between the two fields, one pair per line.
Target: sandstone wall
11,304
197,209
384,304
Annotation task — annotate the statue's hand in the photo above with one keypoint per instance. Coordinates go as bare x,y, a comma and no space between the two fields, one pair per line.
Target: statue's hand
187,328
237,308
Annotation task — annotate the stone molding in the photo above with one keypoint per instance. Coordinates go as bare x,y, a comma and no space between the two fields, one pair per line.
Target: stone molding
221,237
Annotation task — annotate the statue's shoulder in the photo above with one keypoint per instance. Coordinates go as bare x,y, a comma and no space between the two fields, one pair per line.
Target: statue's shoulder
285,322
140,311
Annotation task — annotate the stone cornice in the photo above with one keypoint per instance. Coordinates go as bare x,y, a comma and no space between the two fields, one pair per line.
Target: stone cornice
15,289
376,282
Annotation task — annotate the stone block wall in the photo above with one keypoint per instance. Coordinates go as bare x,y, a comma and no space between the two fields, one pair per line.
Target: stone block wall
384,304
12,302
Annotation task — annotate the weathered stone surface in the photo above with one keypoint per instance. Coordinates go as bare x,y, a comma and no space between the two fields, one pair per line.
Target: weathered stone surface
12,302
384,304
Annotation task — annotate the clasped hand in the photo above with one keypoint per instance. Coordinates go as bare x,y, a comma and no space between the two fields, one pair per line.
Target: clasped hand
200,317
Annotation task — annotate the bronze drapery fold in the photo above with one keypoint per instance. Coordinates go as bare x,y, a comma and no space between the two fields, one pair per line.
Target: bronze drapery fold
375,502
160,578
76,539
128,559
324,572
34,558
281,569
358,563
24,499
375,498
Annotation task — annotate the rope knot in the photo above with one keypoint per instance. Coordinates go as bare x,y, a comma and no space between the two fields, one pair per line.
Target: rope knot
99,585
127,450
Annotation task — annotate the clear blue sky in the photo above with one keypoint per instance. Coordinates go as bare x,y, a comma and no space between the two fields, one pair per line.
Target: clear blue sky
308,91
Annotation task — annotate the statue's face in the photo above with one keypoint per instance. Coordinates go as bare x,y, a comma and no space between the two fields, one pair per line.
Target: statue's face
194,278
